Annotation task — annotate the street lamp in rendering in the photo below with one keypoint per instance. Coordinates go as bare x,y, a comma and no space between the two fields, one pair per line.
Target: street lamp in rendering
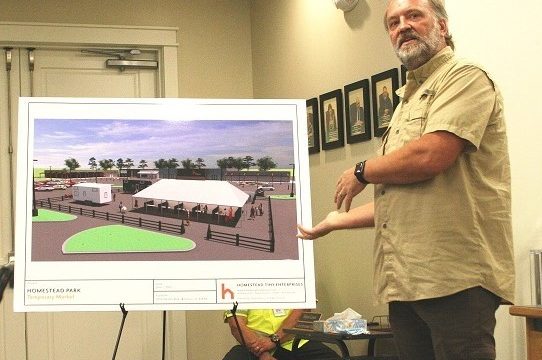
34,208
292,180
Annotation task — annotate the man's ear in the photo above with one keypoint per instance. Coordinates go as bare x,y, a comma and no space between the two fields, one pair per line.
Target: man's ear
443,25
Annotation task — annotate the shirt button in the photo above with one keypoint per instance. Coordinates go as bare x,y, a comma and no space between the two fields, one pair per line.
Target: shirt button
397,131
382,192
385,226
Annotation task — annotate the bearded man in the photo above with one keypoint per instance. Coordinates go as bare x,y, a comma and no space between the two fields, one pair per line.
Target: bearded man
442,208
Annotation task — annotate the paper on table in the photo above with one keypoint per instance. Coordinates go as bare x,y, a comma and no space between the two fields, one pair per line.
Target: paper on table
347,322
347,314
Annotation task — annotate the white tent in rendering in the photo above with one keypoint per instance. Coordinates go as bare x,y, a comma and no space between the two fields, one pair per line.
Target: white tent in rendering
195,191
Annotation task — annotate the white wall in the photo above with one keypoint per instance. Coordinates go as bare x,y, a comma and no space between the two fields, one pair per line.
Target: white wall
505,37
214,54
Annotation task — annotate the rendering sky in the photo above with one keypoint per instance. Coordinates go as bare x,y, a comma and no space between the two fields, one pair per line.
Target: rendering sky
56,140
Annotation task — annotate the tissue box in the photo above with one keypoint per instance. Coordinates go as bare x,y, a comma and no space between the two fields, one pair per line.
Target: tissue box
349,326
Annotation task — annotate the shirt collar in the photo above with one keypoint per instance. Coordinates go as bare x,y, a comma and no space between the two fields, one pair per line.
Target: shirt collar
423,72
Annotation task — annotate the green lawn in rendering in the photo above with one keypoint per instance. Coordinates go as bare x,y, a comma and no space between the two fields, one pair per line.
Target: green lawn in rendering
283,197
45,215
124,239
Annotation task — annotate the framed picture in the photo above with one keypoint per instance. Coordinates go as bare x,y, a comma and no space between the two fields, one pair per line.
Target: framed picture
331,119
313,127
358,112
384,99
403,75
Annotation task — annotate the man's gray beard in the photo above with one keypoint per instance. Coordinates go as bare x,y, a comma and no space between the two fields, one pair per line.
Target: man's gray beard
416,55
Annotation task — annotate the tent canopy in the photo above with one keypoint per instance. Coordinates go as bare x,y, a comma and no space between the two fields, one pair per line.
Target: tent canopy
195,191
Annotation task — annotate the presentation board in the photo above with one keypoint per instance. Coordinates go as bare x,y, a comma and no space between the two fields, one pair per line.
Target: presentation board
162,204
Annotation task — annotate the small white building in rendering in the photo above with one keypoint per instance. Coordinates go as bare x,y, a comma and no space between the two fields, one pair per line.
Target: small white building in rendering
92,192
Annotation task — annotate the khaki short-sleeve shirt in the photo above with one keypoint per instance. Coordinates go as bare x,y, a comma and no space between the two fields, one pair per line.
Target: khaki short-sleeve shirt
453,232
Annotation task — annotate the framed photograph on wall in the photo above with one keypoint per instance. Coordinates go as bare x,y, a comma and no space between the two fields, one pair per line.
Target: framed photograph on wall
358,112
384,99
331,119
403,75
313,131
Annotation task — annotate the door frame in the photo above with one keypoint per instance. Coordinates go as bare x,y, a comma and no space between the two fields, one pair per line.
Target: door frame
162,39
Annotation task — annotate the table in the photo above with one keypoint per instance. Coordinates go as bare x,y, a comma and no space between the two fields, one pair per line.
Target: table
533,317
339,339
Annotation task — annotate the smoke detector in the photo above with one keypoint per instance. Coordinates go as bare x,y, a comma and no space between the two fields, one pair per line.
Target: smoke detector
345,5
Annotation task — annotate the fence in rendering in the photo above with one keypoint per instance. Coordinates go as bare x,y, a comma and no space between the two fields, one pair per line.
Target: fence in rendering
52,203
246,241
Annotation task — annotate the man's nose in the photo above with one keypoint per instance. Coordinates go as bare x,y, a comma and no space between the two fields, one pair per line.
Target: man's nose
404,24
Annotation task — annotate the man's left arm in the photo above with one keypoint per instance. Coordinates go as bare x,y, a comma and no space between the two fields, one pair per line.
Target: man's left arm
419,160
449,132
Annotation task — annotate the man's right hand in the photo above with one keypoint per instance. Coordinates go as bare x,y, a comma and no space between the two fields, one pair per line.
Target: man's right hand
321,229
358,217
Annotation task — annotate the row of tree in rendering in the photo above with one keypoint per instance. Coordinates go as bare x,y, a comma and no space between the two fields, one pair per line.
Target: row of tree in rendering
239,163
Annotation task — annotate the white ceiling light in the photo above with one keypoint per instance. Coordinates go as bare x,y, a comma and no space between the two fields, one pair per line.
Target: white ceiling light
345,5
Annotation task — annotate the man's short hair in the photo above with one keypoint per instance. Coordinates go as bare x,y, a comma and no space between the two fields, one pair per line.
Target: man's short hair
440,14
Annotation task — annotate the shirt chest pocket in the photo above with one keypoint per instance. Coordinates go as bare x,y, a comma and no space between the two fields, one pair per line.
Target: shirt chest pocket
416,120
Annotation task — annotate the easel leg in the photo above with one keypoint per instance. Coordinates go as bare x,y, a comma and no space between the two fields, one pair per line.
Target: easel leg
164,335
124,314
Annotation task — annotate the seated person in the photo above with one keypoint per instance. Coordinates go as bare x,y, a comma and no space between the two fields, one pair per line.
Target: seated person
265,340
